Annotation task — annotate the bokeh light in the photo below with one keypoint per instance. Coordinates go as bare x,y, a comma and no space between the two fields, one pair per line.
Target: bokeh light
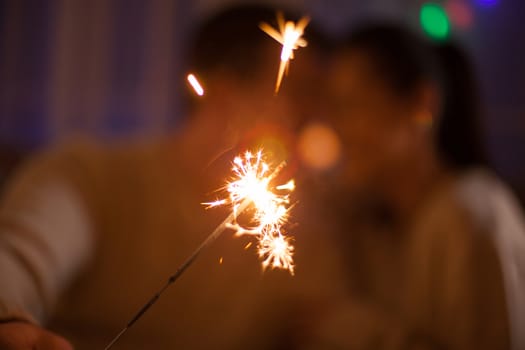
434,21
487,3
460,13
319,147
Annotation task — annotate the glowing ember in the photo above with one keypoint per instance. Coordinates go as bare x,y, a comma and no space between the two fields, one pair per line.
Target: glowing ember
195,85
269,210
290,37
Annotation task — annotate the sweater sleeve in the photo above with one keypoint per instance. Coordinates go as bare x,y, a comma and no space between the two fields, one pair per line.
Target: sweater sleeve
470,310
45,238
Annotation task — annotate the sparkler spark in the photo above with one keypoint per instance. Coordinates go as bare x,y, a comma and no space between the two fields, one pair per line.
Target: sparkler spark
195,84
277,252
269,211
290,37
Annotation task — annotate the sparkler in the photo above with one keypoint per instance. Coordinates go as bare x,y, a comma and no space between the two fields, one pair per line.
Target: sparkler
250,190
269,211
290,37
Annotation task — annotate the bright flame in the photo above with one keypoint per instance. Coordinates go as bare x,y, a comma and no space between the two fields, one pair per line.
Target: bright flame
195,84
290,37
270,208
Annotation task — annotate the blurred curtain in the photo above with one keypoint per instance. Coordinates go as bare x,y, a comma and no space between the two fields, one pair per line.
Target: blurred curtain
105,68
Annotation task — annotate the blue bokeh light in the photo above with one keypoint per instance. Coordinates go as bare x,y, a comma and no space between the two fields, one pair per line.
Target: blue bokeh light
487,3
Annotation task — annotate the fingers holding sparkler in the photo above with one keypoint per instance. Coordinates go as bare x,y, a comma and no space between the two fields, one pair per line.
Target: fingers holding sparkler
290,37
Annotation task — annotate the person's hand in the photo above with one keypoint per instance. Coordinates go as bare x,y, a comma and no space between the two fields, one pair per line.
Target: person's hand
26,336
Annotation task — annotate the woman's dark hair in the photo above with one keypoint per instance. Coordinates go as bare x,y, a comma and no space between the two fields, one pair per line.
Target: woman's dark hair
405,60
459,133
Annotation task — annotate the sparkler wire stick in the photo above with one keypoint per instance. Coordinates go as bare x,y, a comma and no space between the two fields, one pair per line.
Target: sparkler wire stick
272,243
183,267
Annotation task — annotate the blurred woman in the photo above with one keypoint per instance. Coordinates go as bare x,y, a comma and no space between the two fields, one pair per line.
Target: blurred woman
437,258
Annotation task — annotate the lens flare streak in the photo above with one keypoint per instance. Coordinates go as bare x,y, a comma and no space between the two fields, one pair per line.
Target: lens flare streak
268,210
197,87
290,37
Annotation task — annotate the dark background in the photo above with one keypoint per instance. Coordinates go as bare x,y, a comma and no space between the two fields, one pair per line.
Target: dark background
110,69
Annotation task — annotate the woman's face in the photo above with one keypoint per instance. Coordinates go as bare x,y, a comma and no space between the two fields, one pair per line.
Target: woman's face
375,124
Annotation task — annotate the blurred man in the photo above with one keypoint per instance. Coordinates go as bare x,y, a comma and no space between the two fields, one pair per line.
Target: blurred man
124,217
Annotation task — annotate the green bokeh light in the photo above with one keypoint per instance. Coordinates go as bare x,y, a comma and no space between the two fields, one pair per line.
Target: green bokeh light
434,21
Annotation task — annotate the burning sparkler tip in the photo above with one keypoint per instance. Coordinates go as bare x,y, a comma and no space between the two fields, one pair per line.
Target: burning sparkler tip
269,205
